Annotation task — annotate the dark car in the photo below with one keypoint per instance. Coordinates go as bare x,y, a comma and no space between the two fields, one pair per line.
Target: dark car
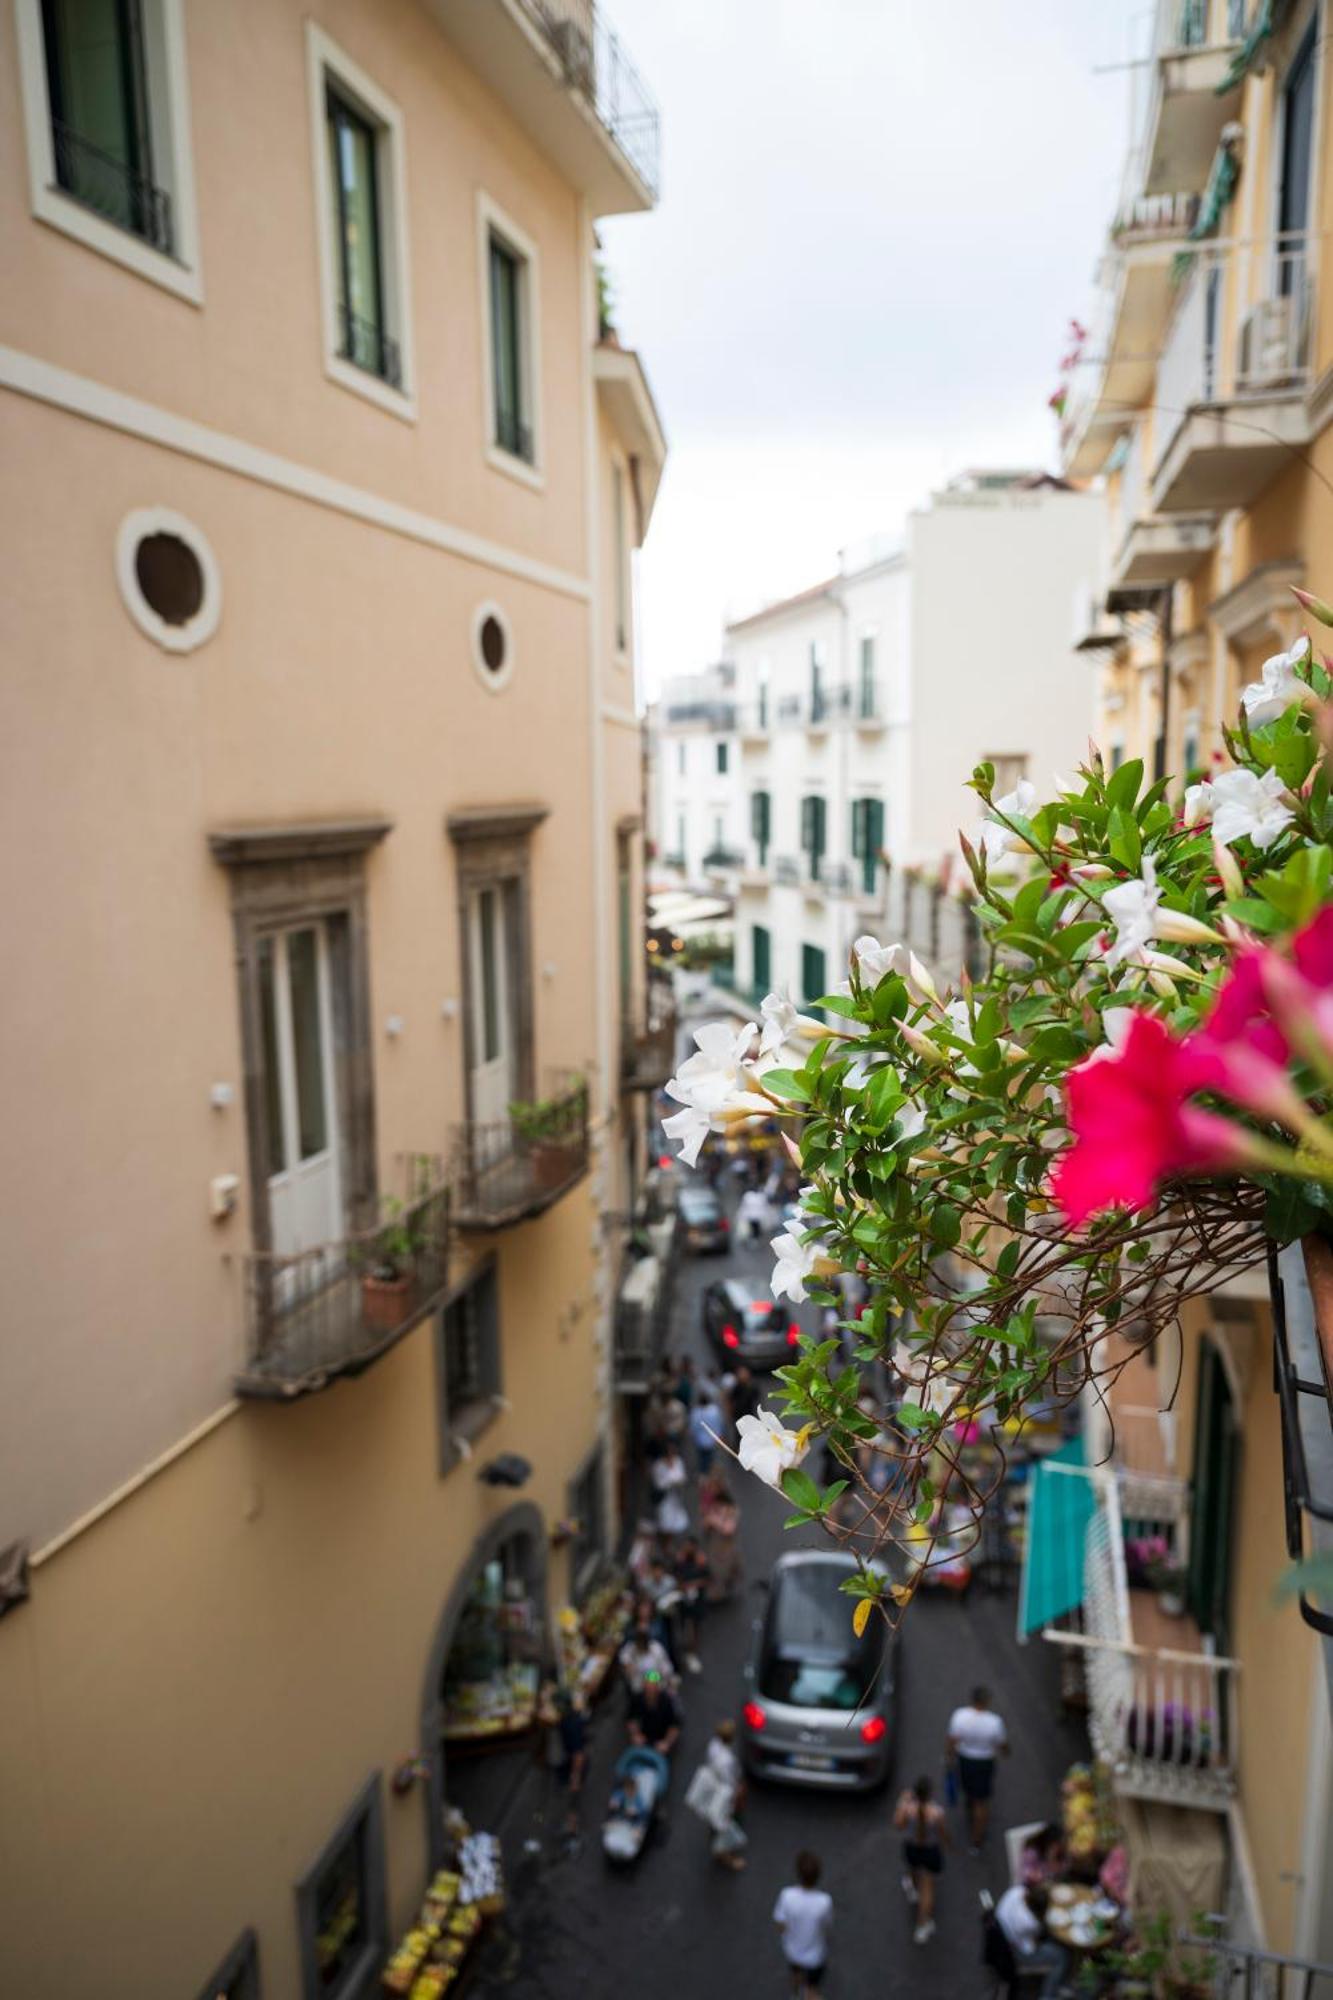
703,1224
759,1332
820,1704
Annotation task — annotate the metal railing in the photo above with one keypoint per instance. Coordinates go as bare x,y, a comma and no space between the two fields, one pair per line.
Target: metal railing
1151,218
723,857
648,1047
869,708
676,859
1243,327
110,188
835,879
754,719
332,1309
787,869
507,1169
1152,1494
595,65
1263,1975
828,704
366,345
789,708
1193,24
713,714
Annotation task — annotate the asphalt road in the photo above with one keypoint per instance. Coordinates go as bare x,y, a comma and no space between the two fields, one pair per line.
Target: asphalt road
677,1924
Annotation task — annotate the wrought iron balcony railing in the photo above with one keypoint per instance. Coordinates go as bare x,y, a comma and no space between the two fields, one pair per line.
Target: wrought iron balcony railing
366,345
723,857
676,859
869,708
787,869
595,65
110,188
334,1309
509,1169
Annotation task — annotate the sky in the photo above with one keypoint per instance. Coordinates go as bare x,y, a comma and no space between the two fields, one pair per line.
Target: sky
877,219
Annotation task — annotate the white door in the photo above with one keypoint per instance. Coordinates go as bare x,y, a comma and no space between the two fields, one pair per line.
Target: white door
493,1066
305,1186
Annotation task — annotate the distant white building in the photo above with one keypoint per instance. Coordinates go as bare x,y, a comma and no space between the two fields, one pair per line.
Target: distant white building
861,707
694,793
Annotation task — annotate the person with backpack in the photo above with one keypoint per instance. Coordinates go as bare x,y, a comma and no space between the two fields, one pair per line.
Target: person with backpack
925,1832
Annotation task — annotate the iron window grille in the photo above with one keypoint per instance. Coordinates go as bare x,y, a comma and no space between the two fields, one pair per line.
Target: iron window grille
100,125
363,336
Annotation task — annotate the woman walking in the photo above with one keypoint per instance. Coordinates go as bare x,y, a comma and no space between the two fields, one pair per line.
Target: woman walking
925,1836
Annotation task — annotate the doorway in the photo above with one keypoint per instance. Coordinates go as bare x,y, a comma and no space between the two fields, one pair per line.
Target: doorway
305,1195
493,1081
1212,1516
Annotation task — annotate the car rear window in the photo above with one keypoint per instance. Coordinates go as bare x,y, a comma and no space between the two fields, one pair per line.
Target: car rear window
811,1657
807,1684
698,1207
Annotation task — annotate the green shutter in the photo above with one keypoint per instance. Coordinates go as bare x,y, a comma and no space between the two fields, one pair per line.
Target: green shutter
812,973
858,828
761,959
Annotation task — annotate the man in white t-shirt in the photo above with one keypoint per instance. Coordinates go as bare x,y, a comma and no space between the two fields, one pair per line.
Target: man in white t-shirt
1020,1913
977,1736
803,1914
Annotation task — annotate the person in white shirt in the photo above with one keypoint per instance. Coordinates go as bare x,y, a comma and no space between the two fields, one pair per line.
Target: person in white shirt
977,1736
728,1834
1021,1913
754,1215
803,1914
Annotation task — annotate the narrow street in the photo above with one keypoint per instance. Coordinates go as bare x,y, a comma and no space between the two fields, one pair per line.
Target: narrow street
676,1923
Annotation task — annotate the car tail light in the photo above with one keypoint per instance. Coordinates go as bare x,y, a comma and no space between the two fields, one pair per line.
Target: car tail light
723,1224
753,1716
793,1336
730,1337
873,1729
664,1159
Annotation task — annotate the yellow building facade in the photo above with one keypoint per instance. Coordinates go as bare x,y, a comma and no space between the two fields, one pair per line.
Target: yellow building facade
1201,394
320,482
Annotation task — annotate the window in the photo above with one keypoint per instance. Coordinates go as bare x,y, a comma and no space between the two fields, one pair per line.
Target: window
818,693
813,985
340,1905
1189,749
469,1363
763,694
169,579
867,700
587,1508
106,111
761,824
721,751
680,760
237,1978
761,960
620,556
625,922
362,223
868,839
1117,756
509,292
813,833
680,835
1008,770
492,646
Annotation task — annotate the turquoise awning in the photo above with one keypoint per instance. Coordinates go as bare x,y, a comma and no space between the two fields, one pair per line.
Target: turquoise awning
1059,1508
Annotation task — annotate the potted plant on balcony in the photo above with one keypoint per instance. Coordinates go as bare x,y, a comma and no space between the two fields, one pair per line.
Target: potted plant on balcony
549,1129
1167,1579
388,1285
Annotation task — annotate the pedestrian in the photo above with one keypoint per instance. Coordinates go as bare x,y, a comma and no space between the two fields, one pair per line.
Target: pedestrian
669,1477
729,1841
925,1832
742,1394
977,1736
691,1577
574,1753
803,1914
719,1519
1021,1915
662,1592
752,1215
643,1653
706,1422
683,1382
654,1718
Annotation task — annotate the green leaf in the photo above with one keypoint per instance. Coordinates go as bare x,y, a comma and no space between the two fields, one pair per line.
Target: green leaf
946,1225
801,1488
1122,787
1250,911
787,1083
1123,838
838,1003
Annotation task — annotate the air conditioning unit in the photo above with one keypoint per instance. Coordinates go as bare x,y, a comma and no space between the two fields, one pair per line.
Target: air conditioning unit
573,45
1267,344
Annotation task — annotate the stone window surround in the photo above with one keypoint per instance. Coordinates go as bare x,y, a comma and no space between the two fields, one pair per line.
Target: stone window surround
243,1958
460,1429
493,845
282,875
366,1810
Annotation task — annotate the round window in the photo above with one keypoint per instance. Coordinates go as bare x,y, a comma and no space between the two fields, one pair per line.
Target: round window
492,646
168,578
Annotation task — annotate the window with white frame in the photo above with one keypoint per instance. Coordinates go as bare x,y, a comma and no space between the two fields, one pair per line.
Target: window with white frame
106,113
510,291
361,220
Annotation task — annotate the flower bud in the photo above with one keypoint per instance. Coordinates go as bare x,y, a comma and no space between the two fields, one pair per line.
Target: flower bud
928,1051
1178,928
1228,868
1314,605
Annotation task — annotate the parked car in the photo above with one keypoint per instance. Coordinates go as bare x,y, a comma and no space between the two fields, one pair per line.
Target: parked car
820,1707
703,1222
740,1327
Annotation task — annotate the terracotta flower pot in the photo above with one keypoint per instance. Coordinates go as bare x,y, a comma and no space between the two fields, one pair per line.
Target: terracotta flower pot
385,1300
550,1162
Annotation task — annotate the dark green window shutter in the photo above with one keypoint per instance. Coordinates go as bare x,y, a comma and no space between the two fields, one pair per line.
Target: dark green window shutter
807,825
820,821
812,973
874,827
761,958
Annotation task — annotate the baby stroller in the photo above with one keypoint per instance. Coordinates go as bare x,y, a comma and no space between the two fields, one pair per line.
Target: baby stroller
641,1780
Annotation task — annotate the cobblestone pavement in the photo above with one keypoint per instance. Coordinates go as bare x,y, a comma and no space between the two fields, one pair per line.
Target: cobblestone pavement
681,1928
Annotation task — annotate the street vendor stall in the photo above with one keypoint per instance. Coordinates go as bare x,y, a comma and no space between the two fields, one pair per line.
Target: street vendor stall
492,1673
459,1901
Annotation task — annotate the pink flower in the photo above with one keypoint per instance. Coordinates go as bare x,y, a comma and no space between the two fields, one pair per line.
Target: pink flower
1249,1049
1301,993
1134,1127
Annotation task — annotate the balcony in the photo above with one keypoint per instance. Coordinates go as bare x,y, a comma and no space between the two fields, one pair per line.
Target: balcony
1234,374
755,874
648,1048
870,709
1192,92
1161,1711
834,878
827,706
789,710
1097,629
641,1312
753,723
514,1168
334,1309
564,75
787,870
675,860
717,716
1151,552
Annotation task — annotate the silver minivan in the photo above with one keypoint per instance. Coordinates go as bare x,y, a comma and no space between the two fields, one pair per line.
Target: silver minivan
820,1707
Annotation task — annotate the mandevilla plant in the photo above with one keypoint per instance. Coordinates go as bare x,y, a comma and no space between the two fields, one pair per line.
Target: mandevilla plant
1113,1120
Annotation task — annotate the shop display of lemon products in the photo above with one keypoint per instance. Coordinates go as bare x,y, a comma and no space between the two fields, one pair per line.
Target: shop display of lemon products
457,1903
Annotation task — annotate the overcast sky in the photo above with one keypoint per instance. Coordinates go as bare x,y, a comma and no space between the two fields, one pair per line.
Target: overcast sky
878,217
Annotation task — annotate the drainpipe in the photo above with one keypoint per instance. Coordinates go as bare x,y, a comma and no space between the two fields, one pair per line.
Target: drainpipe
1164,700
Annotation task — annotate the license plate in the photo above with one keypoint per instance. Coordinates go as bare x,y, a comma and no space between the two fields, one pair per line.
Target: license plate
800,1760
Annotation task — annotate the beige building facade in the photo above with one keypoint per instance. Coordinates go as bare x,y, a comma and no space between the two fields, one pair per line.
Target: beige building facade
1203,395
320,482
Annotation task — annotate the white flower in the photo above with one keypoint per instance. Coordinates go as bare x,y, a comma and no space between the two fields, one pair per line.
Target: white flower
1245,804
1115,1026
911,1121
765,1448
779,1018
1280,686
1198,803
713,1086
995,840
1132,907
932,1393
796,1262
874,961
691,1126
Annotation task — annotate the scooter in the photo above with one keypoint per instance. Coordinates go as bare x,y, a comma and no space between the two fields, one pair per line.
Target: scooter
641,1780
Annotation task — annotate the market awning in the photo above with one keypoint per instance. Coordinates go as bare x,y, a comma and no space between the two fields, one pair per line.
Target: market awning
1060,1505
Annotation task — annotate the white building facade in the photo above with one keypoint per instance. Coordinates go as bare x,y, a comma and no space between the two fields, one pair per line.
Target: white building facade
694,793
863,705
